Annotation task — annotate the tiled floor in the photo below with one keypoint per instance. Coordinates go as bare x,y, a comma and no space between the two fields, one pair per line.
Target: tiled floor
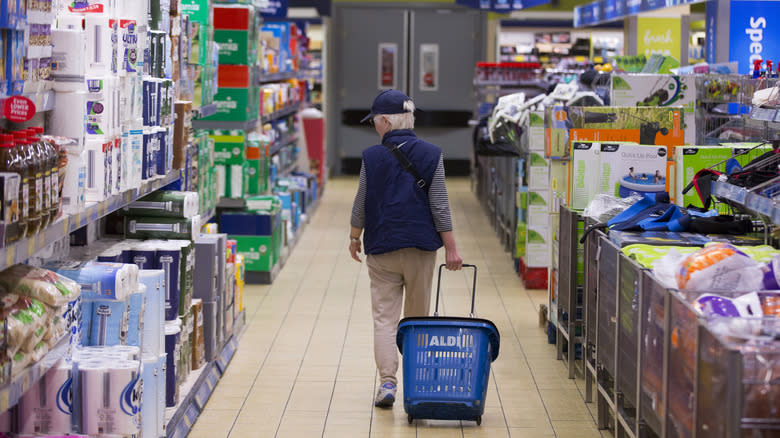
305,366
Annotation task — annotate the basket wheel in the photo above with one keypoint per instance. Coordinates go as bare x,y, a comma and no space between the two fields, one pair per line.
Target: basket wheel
410,418
479,420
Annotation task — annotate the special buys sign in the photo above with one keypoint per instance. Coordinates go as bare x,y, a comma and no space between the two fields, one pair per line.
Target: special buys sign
754,32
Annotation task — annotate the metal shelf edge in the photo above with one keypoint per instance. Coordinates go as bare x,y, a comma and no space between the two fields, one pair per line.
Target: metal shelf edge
12,392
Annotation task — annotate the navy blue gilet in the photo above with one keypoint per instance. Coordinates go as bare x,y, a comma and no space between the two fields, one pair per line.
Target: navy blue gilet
397,212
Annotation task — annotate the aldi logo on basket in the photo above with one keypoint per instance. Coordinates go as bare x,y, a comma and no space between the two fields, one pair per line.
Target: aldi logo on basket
444,341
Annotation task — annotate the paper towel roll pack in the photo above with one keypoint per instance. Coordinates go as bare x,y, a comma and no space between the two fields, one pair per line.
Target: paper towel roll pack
99,280
154,317
136,316
172,345
149,402
166,204
109,322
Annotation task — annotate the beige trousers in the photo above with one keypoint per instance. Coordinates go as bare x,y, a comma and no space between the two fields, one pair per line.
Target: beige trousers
390,273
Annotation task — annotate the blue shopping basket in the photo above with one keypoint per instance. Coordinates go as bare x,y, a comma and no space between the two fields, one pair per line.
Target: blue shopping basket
446,363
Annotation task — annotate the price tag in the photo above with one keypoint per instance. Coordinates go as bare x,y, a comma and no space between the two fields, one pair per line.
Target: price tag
5,399
203,394
65,225
10,254
31,246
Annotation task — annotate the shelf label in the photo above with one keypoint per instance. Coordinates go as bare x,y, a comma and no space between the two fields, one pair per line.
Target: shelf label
31,246
191,414
203,394
9,255
18,109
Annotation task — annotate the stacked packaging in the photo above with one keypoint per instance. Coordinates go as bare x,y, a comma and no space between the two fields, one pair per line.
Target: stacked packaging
114,96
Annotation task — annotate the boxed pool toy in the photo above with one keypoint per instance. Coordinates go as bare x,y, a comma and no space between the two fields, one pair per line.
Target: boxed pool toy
628,169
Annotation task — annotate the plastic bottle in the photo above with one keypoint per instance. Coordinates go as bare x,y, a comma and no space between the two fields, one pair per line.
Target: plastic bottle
45,191
35,181
53,160
10,162
24,186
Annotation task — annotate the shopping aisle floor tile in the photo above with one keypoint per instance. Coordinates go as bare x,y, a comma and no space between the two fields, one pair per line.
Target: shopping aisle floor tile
305,366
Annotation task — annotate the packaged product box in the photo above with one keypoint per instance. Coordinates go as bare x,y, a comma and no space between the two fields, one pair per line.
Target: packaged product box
235,33
640,125
628,169
658,90
281,31
259,164
199,11
538,209
229,147
583,181
258,252
688,161
182,133
520,240
537,251
536,132
231,180
559,184
538,171
556,135
161,227
237,94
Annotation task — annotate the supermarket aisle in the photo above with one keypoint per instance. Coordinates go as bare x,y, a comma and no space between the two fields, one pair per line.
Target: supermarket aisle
305,368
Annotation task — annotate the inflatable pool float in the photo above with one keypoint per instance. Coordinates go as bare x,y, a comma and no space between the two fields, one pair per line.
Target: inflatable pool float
638,185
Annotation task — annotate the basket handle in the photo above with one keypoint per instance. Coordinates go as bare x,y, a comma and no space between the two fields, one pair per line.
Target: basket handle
473,289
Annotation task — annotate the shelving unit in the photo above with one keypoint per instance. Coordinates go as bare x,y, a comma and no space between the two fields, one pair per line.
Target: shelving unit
20,251
200,384
747,201
278,77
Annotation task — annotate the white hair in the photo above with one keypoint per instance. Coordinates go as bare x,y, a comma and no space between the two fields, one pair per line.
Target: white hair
402,120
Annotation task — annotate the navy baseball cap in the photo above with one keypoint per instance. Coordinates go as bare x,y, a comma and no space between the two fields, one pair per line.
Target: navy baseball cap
388,102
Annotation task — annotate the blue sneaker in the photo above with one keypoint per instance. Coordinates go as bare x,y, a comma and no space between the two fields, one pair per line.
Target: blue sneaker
385,396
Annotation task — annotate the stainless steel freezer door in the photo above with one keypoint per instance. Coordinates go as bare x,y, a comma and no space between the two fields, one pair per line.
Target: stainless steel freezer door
360,32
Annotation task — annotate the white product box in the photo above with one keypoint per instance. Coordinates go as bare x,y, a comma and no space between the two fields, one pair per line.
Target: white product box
538,209
630,89
537,250
538,172
536,132
628,169
583,180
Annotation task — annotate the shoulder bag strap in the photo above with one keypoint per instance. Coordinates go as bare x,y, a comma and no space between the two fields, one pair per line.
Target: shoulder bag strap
405,163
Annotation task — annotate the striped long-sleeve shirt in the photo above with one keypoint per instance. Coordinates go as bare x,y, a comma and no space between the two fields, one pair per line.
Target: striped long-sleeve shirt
437,199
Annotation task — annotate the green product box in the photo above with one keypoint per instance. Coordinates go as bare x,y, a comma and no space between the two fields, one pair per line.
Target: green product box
199,11
537,247
202,52
229,147
520,240
688,161
233,105
236,47
258,252
258,176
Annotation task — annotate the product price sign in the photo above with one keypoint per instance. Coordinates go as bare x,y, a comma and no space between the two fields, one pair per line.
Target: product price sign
501,6
754,32
612,9
18,109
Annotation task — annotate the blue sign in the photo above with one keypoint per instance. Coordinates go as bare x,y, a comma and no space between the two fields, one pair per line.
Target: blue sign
711,37
501,6
275,9
754,32
609,10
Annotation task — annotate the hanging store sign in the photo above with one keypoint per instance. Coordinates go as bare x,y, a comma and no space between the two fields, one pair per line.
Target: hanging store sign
275,9
754,32
501,6
658,35
602,11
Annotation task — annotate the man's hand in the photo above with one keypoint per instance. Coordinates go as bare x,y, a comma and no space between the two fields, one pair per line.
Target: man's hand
354,250
454,262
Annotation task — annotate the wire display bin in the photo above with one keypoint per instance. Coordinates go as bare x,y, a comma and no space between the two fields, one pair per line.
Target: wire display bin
738,381
590,294
627,336
654,306
570,284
